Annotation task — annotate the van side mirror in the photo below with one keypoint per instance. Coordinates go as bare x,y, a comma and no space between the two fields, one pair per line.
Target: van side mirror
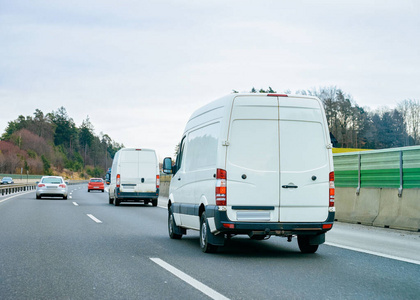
167,165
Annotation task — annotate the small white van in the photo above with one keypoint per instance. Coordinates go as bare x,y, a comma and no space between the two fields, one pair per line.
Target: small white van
254,164
134,177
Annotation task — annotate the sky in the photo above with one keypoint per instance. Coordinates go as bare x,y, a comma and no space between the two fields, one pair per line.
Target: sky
139,69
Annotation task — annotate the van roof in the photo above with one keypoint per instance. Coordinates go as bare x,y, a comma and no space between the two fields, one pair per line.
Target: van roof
227,100
137,149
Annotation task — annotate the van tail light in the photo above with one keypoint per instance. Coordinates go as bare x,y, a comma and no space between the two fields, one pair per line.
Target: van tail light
118,183
221,187
157,181
41,185
332,190
62,186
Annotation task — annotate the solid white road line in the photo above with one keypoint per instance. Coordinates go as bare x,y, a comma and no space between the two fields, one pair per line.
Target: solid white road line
18,194
75,204
375,253
188,279
94,219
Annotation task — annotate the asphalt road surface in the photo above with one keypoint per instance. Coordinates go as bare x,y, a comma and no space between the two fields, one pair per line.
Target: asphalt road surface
84,248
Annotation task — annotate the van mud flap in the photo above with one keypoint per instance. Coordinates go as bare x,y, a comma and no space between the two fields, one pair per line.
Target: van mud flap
317,239
217,240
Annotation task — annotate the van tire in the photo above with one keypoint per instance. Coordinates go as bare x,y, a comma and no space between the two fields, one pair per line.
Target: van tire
154,202
304,246
205,246
172,226
111,201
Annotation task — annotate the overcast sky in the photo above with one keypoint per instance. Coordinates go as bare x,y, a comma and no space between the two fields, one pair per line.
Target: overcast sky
139,69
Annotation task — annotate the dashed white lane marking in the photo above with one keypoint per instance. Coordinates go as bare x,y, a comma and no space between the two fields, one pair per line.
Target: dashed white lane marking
75,204
375,253
188,279
94,219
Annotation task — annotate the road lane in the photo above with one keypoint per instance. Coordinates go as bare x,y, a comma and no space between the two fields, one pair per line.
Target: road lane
52,249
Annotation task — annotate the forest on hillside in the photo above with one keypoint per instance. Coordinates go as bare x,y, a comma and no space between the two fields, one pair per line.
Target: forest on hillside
52,144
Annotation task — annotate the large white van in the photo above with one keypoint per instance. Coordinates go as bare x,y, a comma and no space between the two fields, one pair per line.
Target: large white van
134,177
254,164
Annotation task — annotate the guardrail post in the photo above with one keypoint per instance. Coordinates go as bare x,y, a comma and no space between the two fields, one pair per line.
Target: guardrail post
359,177
400,190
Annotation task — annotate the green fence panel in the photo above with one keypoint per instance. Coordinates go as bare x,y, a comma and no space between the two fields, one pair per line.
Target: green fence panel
411,168
380,178
346,170
380,169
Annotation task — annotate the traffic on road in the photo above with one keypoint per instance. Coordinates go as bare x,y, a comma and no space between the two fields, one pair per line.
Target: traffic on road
85,248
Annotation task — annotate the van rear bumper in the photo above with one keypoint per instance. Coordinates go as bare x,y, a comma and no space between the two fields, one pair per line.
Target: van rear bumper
133,196
224,225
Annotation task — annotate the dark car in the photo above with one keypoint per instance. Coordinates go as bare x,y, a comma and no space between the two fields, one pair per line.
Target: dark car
7,180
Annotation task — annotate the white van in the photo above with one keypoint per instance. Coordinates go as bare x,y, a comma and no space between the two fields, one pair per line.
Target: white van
134,177
254,164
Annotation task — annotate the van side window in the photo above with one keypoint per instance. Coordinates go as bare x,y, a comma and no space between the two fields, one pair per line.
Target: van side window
178,162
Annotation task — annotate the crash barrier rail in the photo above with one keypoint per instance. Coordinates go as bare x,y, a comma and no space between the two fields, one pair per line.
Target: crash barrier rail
16,188
379,187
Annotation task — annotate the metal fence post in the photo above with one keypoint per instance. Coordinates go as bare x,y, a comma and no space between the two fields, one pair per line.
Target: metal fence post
400,190
359,177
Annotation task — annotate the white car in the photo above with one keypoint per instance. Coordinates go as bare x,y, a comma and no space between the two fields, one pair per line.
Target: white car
51,186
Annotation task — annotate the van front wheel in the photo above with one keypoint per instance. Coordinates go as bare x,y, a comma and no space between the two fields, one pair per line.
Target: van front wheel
204,232
304,246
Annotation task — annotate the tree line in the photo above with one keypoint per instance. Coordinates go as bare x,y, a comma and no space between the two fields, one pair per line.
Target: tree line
354,126
47,143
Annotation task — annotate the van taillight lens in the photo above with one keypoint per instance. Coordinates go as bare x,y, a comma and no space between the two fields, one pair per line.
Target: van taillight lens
221,187
332,190
118,183
157,181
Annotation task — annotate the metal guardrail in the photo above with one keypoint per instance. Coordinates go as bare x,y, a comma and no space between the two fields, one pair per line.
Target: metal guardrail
16,188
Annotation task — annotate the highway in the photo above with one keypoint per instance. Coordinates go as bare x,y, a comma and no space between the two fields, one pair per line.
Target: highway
84,248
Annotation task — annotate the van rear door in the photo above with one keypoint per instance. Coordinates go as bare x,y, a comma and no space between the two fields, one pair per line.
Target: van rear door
138,171
252,160
304,161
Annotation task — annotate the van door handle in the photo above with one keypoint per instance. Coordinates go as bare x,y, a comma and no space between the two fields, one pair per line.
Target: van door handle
289,186
179,178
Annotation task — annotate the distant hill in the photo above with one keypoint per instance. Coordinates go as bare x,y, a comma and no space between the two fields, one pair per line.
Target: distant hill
53,144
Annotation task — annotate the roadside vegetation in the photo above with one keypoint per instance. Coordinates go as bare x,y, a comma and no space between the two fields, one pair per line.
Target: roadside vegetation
53,144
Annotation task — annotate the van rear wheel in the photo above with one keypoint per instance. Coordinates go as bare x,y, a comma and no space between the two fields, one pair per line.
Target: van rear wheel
111,201
304,246
204,232
154,202
172,226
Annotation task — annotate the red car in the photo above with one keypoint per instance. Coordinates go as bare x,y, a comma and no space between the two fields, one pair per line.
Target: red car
96,184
